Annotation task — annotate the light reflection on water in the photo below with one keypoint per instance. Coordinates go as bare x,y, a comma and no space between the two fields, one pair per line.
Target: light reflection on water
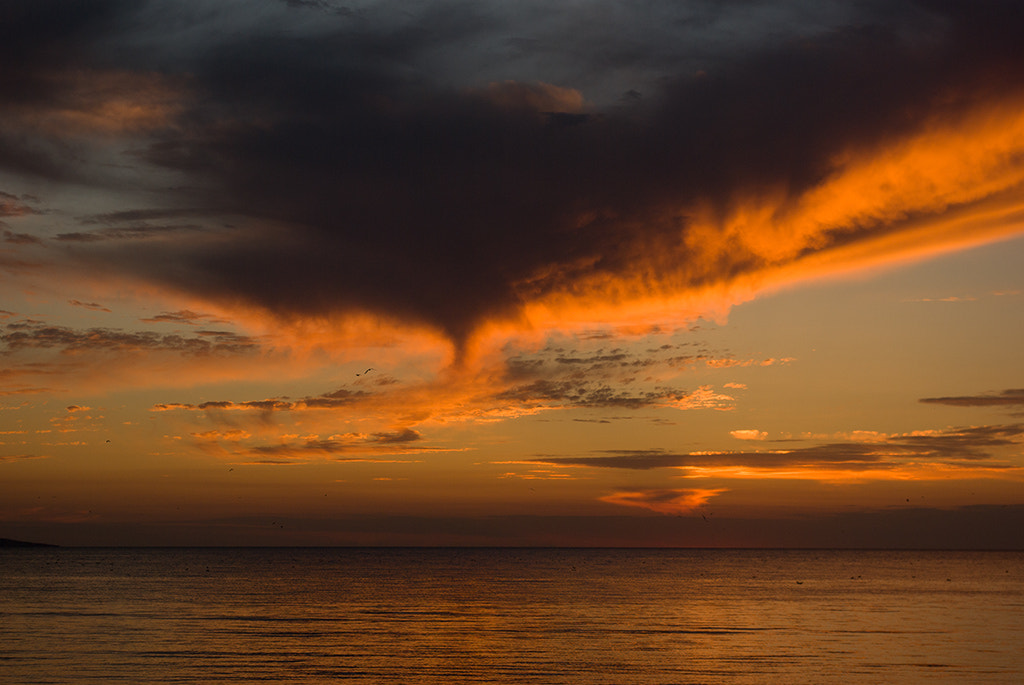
510,616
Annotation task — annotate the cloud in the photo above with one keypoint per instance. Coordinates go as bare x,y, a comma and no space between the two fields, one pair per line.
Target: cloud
1005,398
504,385
664,501
543,393
383,164
749,434
89,305
184,316
143,232
12,205
29,334
732,363
8,458
20,238
401,441
321,5
967,447
951,298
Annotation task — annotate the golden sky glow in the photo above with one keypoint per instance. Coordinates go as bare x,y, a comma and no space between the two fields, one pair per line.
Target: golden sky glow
265,283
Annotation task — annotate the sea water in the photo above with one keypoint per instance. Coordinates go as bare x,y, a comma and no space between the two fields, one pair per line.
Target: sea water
283,615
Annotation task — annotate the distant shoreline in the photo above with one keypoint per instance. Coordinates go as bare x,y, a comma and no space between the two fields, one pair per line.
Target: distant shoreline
7,542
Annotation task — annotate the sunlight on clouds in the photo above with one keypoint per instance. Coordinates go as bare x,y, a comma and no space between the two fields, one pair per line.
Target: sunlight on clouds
749,434
914,471
667,501
499,267
948,186
112,102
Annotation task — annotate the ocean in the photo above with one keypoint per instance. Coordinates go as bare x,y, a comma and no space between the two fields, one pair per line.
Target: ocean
415,615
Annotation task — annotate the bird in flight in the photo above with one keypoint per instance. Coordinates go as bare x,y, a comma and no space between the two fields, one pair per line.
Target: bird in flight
365,372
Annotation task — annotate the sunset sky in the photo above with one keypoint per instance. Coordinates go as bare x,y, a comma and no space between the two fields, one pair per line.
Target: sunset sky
659,273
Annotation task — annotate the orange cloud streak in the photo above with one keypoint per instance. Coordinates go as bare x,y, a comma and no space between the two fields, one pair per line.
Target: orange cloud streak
665,501
953,185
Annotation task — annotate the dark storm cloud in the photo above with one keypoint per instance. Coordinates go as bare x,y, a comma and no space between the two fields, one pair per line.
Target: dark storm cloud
378,175
1004,398
967,445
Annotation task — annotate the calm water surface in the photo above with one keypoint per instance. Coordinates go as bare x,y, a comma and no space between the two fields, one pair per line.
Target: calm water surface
509,616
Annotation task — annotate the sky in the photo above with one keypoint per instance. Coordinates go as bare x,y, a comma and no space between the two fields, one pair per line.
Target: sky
586,273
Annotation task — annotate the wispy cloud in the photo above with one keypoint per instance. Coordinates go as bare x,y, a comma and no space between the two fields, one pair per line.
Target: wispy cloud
93,306
665,501
31,334
968,447
348,447
20,457
184,316
999,399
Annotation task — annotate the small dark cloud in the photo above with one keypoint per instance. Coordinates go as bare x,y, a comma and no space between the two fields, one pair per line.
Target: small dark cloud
184,316
338,398
138,216
79,237
404,435
348,443
1004,398
216,404
93,306
20,238
584,394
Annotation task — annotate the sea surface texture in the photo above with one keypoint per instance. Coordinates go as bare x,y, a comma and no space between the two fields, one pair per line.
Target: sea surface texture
509,616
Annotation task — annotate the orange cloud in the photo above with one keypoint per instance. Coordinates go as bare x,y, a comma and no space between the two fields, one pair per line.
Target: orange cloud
749,434
665,501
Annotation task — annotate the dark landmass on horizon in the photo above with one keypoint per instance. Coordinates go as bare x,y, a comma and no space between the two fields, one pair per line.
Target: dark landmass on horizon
8,542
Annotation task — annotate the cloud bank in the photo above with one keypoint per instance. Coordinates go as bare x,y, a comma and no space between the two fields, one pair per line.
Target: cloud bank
386,163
